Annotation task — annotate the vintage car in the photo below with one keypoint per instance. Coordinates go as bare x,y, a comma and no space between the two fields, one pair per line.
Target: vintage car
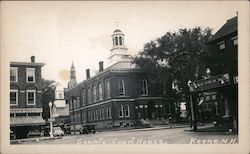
57,131
87,129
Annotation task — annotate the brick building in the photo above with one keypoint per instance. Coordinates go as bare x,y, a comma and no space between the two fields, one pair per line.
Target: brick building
117,96
218,94
25,98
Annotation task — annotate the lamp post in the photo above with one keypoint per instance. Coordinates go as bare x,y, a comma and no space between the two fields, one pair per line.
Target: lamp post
51,126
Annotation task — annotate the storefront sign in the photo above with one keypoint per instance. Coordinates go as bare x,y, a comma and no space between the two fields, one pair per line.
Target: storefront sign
212,82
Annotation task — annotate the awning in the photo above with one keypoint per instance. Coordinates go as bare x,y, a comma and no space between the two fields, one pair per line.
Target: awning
26,121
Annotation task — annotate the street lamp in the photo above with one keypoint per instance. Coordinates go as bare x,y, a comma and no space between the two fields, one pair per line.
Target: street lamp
51,126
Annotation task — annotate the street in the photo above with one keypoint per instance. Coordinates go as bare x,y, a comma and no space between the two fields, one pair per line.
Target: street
159,136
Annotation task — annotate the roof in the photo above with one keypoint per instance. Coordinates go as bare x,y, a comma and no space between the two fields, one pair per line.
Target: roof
117,30
121,66
228,28
26,120
27,63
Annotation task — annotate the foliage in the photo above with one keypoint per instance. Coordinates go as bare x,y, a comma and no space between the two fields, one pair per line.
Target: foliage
176,56
48,95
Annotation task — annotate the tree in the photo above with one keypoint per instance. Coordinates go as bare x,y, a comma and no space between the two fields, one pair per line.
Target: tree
176,56
48,88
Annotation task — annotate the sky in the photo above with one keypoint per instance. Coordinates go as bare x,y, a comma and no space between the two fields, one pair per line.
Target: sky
61,32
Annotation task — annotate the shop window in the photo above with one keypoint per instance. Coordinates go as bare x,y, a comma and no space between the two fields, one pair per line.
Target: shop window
13,74
21,114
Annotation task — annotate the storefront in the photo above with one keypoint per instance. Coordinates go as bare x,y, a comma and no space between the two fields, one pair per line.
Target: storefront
216,100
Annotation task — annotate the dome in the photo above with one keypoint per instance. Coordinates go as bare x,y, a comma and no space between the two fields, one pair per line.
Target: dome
117,30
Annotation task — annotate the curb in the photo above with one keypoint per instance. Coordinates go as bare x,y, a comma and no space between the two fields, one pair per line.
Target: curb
33,139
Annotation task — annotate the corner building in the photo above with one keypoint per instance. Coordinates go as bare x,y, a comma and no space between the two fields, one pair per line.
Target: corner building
26,99
118,96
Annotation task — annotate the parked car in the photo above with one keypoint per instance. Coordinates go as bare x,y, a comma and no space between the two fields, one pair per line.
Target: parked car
57,131
88,129
67,129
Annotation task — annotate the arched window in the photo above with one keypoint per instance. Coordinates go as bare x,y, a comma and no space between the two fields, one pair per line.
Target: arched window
94,93
120,40
116,40
100,91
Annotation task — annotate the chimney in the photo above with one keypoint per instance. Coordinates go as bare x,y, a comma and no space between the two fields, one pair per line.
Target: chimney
100,66
32,58
87,74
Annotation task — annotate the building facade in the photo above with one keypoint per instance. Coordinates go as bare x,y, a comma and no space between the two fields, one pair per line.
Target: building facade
118,96
218,94
60,108
26,98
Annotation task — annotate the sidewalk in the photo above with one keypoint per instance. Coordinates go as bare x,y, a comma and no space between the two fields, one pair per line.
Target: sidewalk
212,128
37,139
156,127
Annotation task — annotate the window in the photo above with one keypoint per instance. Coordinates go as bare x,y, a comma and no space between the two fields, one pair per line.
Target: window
31,97
83,98
207,98
122,88
13,74
77,102
94,93
110,112
30,75
120,111
107,112
60,95
116,41
213,97
89,95
103,113
83,116
126,111
13,97
100,91
144,87
108,89
120,40
221,45
94,114
235,40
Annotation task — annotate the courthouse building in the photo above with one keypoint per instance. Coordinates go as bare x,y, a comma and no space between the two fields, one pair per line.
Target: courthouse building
117,96
26,98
